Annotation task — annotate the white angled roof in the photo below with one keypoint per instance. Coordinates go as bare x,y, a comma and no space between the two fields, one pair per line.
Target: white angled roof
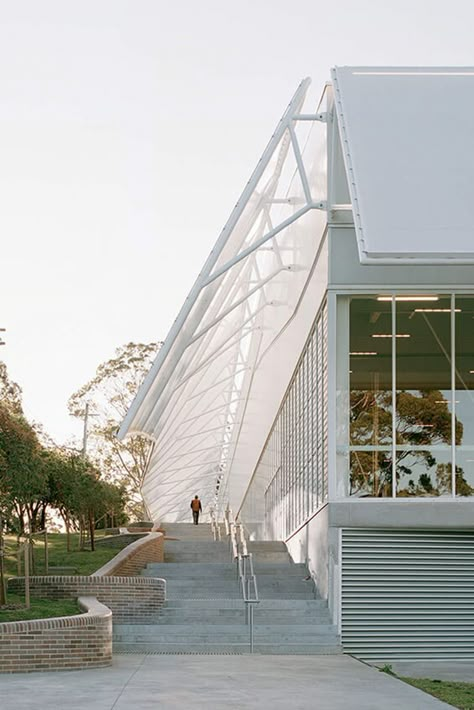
211,395
408,142
214,390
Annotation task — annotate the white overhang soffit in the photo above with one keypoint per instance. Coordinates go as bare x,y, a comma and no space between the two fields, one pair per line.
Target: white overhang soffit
195,396
408,144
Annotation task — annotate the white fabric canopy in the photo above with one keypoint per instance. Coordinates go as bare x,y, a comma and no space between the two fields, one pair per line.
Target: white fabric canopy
212,394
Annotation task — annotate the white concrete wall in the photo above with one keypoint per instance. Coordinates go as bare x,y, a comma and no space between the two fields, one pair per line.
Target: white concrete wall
310,545
402,513
345,269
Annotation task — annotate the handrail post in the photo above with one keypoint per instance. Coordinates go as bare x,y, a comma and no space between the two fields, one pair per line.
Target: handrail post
251,625
26,549
46,557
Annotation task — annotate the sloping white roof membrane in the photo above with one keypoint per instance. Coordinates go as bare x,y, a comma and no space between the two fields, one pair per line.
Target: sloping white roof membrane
408,142
212,394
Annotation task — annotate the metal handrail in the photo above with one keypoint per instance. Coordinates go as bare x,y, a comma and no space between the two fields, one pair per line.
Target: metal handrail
234,543
245,571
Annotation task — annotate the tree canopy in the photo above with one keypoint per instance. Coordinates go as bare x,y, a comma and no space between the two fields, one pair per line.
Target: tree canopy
109,395
37,476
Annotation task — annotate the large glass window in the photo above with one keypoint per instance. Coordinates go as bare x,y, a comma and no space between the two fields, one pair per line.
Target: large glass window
410,404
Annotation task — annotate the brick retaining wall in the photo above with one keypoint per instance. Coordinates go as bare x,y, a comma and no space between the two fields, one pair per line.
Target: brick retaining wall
68,642
131,560
131,599
85,640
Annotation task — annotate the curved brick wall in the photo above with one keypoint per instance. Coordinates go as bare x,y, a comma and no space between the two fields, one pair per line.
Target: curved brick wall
132,559
131,599
67,642
85,640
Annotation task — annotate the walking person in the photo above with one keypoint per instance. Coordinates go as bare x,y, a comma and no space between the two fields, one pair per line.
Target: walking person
196,507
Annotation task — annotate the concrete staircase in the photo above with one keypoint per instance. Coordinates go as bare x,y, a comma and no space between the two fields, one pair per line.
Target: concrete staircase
204,612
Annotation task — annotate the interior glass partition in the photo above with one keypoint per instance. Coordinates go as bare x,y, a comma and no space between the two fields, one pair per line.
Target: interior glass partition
407,421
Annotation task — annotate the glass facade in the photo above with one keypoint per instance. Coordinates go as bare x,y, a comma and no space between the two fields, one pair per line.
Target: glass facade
294,460
408,426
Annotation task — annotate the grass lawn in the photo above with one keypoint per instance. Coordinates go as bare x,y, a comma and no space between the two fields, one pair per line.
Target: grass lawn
85,561
40,609
460,695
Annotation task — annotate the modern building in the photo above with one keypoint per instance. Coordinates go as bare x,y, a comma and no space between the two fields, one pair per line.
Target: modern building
320,375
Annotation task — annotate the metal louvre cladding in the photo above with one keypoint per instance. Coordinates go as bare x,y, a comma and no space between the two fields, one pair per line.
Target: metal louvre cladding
408,594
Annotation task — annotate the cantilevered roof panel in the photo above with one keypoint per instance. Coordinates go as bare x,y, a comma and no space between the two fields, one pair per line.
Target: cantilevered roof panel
198,401
408,142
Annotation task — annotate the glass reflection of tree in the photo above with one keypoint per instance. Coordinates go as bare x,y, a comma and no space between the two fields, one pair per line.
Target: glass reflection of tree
370,425
422,419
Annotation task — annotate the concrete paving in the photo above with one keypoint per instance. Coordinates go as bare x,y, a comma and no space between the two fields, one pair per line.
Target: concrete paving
211,682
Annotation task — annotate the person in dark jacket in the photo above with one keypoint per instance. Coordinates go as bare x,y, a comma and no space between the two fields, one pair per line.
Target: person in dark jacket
196,507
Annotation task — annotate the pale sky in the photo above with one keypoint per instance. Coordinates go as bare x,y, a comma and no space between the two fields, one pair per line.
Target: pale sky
128,129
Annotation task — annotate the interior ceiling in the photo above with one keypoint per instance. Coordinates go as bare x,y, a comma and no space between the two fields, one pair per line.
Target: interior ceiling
423,359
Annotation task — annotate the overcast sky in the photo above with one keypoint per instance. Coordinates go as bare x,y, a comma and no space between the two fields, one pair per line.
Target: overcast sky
128,129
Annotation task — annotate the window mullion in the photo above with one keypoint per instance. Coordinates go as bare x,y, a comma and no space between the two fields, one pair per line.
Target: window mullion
394,398
453,396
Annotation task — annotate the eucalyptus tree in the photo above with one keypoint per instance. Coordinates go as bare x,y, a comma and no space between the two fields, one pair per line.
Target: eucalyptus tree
105,400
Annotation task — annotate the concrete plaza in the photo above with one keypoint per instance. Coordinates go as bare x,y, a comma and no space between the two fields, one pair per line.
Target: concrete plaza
179,682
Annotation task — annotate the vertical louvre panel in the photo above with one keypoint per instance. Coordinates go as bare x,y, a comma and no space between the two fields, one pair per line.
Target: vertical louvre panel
294,460
408,594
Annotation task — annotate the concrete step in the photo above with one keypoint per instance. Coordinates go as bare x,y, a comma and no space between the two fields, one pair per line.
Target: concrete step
241,637
184,591
198,551
220,569
268,594
186,526
176,557
313,649
173,558
237,616
186,538
214,595
268,546
268,604
162,631
197,546
271,557
285,588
